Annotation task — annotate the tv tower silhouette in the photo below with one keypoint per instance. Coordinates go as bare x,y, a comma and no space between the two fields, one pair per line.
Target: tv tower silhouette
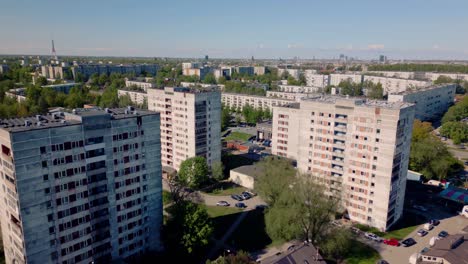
54,54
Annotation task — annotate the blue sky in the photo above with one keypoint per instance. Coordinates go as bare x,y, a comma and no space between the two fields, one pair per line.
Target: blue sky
414,29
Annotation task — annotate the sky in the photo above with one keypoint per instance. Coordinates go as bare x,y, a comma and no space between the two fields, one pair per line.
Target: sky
399,29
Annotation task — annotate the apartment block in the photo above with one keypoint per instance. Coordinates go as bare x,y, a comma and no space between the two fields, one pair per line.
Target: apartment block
395,85
245,70
190,123
316,80
137,97
259,70
299,89
4,68
80,187
358,149
86,70
335,79
432,76
238,101
142,85
431,102
200,72
291,72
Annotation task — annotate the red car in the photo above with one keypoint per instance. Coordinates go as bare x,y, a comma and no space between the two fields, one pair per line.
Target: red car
391,242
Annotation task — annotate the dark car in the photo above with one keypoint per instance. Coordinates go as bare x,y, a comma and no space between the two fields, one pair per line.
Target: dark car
382,262
442,234
240,205
246,195
408,242
237,197
434,222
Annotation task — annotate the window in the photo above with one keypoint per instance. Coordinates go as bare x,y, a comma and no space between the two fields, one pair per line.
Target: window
44,164
50,217
47,190
374,167
375,158
45,177
51,230
43,150
377,140
378,130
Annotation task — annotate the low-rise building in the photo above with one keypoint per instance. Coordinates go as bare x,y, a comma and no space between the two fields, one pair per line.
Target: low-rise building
300,253
238,101
138,97
142,85
245,175
316,80
62,87
299,89
335,79
245,70
264,130
452,249
431,102
395,85
18,93
291,72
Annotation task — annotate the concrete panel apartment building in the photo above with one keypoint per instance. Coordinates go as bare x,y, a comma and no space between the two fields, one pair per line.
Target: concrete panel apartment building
395,85
137,97
431,102
238,101
81,187
358,149
190,123
299,89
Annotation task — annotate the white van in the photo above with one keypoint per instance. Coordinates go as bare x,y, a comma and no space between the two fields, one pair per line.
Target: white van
428,227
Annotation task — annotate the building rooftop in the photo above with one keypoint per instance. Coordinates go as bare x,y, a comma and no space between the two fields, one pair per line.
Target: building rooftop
61,84
305,253
422,89
250,170
453,248
259,96
67,117
356,101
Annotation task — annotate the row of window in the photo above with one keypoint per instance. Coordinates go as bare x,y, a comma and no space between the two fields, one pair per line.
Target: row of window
127,135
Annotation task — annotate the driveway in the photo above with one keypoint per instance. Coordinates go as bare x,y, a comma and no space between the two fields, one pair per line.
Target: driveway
400,255
211,200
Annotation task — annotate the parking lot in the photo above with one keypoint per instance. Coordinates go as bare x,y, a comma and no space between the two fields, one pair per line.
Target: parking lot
400,255
251,203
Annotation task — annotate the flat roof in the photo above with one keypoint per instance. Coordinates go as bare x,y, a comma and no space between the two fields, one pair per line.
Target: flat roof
453,248
65,118
423,89
259,96
334,99
250,170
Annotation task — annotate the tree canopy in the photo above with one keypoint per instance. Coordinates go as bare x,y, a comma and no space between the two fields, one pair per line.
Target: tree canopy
193,172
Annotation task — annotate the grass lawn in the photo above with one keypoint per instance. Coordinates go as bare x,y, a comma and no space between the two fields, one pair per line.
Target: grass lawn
226,188
166,196
217,211
251,234
362,254
223,218
238,136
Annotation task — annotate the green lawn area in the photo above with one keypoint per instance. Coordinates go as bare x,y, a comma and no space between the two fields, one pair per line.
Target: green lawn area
167,197
362,254
251,234
217,211
238,136
226,188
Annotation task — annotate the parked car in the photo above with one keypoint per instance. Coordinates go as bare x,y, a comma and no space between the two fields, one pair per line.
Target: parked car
261,207
382,262
240,205
252,194
392,242
420,208
442,234
355,230
372,237
222,203
408,242
434,222
422,232
428,227
237,197
245,195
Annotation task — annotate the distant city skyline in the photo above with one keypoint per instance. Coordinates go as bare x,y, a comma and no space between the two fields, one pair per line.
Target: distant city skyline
322,29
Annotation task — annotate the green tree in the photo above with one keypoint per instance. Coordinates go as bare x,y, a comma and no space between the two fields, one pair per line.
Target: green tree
41,80
193,172
225,118
217,170
103,79
125,100
457,131
240,258
442,79
457,112
189,227
109,97
209,78
337,244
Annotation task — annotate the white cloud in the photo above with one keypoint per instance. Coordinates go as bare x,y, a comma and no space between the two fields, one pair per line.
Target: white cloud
436,46
294,46
260,46
376,46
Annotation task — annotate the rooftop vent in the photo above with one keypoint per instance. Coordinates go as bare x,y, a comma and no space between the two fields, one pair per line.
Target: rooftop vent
39,123
130,108
27,123
74,111
38,117
107,110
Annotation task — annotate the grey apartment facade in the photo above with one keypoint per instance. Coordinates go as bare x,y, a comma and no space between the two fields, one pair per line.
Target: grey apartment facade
358,149
80,187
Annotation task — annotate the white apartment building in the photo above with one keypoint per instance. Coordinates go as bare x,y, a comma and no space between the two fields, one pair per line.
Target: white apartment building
190,65
287,95
395,74
291,72
335,79
200,72
137,97
431,102
316,80
238,101
395,85
259,70
204,85
81,187
358,149
299,89
455,76
142,85
190,123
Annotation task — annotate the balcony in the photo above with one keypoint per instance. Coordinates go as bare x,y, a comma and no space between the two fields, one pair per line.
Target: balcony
340,134
341,117
338,160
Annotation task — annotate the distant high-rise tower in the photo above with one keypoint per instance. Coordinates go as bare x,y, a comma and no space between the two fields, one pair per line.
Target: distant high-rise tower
54,54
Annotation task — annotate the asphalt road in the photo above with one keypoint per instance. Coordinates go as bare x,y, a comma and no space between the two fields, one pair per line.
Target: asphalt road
400,255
